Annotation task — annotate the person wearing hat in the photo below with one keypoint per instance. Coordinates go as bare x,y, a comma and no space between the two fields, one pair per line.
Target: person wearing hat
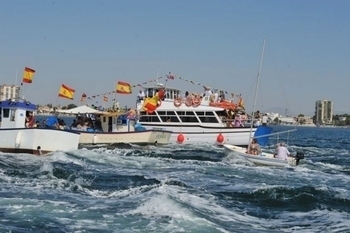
254,147
282,152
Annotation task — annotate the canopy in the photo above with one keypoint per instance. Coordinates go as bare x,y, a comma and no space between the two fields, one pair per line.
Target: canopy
81,110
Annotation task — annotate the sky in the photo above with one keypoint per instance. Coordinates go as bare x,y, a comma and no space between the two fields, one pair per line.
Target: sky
90,45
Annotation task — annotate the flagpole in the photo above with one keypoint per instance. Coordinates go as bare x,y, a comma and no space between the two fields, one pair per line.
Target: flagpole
58,96
16,77
115,95
22,90
19,88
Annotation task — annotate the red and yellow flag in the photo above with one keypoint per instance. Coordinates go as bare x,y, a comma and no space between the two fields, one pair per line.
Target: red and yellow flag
28,75
105,98
66,92
123,88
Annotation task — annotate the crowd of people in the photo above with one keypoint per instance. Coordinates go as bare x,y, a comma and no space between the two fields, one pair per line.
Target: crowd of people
81,123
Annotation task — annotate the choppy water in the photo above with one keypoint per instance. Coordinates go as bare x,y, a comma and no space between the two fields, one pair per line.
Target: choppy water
179,189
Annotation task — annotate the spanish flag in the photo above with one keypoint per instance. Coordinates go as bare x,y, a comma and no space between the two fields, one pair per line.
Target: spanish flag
105,98
66,92
123,88
28,75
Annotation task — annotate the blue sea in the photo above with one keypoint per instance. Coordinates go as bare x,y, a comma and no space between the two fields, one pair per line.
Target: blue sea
176,188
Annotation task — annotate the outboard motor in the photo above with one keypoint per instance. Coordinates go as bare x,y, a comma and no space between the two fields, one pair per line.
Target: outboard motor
300,155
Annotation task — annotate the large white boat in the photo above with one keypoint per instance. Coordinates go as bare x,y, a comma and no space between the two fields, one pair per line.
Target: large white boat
15,137
117,127
195,119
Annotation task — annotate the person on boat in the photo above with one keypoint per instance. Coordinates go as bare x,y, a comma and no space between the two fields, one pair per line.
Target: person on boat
52,122
282,152
30,121
264,120
141,95
254,147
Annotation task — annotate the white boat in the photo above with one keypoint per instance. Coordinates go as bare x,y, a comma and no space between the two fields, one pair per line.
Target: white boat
116,128
16,138
264,158
200,121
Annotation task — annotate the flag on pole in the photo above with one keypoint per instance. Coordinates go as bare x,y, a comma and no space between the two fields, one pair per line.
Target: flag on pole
28,75
123,88
66,92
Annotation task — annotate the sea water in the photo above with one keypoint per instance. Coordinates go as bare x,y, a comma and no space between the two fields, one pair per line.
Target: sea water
174,188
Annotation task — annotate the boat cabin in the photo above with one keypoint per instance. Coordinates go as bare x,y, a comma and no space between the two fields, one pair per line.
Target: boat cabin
15,114
119,122
192,109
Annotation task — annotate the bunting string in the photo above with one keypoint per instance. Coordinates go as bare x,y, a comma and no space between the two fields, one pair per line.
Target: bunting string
169,76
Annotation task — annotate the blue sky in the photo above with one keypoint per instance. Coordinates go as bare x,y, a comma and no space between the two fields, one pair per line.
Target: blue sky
89,45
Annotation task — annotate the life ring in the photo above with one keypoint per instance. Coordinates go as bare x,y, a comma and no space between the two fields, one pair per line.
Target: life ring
177,102
188,101
196,101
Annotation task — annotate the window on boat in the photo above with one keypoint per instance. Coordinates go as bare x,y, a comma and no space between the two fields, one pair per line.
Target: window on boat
208,119
185,113
169,119
187,116
13,114
149,117
6,113
168,116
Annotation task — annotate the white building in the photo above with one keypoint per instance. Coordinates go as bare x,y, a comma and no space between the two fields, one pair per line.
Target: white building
9,92
324,112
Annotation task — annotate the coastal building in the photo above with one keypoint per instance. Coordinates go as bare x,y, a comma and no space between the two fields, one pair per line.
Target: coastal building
9,92
324,112
284,120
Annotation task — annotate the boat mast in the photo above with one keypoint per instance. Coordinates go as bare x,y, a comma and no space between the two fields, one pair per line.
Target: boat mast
256,92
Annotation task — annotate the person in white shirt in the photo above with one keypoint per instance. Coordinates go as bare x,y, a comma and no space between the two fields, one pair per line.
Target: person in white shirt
282,152
141,95
264,120
216,97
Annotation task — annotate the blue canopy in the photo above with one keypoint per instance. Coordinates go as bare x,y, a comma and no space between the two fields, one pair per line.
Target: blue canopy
17,104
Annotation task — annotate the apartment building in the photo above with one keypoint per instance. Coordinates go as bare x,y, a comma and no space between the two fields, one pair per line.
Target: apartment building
324,112
9,92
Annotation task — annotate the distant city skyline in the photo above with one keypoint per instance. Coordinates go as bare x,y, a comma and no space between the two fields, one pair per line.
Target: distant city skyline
90,45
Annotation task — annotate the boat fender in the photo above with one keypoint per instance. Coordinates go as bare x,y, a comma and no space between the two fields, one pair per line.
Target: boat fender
18,139
180,138
220,138
94,139
39,150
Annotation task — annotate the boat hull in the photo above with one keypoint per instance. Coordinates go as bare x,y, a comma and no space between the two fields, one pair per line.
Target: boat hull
159,137
199,135
37,141
266,159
